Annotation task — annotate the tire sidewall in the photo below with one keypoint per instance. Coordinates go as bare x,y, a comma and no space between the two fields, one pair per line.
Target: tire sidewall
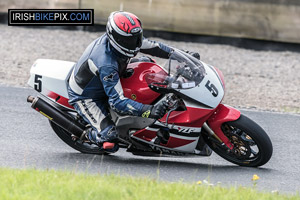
82,147
260,137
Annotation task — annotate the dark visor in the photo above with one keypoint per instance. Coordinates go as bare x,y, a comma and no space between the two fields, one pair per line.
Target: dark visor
128,42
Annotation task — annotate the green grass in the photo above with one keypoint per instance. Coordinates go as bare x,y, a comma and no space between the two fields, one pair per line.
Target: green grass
57,185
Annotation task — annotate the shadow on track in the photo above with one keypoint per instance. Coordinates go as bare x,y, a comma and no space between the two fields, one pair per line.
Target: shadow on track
152,162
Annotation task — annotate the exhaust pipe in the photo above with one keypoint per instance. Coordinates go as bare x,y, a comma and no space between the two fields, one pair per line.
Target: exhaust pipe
61,119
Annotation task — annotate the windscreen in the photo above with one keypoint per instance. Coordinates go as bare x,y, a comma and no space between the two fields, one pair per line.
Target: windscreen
184,72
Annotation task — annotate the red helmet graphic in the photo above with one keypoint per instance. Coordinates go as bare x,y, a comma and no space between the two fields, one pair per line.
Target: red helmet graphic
125,32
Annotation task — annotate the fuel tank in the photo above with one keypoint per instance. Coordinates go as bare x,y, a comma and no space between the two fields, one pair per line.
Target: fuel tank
134,83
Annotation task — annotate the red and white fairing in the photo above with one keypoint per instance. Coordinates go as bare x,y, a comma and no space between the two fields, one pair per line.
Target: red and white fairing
50,78
187,124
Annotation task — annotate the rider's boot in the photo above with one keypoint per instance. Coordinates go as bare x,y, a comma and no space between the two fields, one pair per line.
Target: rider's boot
106,139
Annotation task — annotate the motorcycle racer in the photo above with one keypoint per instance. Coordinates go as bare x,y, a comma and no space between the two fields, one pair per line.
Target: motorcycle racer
94,85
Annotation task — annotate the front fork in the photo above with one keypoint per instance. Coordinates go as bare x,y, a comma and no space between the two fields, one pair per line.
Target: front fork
221,115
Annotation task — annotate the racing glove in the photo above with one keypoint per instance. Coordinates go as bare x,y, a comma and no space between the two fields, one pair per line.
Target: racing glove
156,112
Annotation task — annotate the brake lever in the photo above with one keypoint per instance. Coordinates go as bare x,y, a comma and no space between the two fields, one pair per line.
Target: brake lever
173,107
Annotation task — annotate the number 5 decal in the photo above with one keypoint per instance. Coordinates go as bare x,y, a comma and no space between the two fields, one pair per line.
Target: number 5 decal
38,83
212,88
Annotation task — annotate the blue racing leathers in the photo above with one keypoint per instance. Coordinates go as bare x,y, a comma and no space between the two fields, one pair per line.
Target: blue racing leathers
95,81
97,75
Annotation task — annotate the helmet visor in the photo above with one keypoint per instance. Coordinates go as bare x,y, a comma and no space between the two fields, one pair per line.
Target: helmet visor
132,42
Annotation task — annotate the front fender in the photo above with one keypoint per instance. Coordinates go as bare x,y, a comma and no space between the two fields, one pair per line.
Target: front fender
221,115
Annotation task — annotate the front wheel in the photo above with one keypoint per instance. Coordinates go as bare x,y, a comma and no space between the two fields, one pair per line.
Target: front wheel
252,146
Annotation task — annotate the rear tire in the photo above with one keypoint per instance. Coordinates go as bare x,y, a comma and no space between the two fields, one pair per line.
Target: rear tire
83,147
252,146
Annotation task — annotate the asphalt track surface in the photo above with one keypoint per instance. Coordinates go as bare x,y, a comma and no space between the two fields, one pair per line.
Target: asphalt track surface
27,141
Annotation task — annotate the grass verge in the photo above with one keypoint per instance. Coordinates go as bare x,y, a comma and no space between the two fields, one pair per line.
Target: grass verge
35,184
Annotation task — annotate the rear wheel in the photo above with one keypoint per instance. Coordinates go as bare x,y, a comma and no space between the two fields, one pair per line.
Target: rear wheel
77,144
252,146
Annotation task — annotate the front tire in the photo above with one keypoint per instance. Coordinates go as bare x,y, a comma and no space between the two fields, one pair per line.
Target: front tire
252,146
75,144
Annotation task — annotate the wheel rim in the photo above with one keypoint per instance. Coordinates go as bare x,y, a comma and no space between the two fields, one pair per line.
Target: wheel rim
245,148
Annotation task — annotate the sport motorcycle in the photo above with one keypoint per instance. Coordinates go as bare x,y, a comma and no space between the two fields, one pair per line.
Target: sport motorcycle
195,118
